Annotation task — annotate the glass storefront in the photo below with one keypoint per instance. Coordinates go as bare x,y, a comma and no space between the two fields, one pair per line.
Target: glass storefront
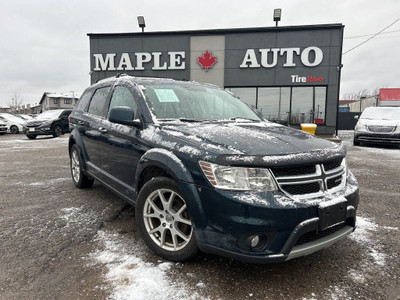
287,105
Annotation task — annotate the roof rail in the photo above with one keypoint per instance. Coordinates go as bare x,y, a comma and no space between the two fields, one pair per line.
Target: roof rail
120,75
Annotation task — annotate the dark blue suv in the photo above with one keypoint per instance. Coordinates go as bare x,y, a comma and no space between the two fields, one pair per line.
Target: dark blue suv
204,171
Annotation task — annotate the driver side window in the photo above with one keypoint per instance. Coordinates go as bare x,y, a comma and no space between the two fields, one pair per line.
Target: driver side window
123,97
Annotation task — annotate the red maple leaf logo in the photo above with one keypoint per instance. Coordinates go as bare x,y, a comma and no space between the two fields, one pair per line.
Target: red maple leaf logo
207,60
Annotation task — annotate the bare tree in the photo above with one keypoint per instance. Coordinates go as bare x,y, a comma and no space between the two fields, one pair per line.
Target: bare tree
365,93
16,101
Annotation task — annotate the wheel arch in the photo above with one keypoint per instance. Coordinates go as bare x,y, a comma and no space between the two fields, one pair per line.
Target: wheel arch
75,139
165,163
160,162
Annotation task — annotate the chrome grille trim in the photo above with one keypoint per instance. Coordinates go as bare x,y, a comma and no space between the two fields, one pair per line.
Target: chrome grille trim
329,181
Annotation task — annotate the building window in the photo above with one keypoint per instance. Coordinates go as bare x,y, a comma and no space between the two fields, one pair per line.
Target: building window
274,103
248,95
55,101
67,101
302,105
287,105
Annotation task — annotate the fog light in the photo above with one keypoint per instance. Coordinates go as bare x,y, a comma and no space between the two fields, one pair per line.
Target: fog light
254,241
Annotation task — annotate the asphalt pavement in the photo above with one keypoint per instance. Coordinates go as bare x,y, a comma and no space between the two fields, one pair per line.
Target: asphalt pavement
60,242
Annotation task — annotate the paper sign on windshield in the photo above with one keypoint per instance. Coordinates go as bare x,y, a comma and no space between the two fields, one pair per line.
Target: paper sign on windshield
166,95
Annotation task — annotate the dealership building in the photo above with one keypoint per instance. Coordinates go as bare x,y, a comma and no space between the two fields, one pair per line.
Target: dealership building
290,74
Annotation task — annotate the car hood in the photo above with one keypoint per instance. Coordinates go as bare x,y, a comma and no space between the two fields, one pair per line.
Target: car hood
252,143
38,121
381,123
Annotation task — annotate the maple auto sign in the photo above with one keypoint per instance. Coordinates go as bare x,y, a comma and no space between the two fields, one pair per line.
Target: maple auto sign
175,60
268,58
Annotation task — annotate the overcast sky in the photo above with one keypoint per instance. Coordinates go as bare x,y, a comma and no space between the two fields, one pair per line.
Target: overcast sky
45,48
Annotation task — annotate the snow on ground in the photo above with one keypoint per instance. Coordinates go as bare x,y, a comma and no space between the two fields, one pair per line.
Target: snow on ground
40,143
133,278
374,257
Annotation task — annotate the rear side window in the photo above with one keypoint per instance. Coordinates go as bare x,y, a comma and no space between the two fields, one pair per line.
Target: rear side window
84,101
97,105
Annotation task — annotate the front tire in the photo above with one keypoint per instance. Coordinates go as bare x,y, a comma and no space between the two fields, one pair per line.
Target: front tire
163,220
78,177
57,131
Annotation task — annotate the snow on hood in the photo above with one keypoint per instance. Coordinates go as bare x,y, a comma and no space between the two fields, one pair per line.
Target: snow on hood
382,123
258,143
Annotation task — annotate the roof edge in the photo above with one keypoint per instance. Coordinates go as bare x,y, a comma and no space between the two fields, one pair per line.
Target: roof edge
227,30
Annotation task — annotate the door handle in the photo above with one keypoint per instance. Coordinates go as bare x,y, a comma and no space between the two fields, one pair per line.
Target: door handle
102,130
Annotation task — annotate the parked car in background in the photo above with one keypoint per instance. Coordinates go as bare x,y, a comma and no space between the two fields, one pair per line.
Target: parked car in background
378,125
3,128
51,122
15,124
24,117
205,171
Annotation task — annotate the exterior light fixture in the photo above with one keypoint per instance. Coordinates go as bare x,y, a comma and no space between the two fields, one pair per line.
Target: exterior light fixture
277,15
141,22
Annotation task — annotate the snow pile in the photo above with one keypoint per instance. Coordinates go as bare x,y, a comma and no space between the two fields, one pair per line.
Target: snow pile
133,278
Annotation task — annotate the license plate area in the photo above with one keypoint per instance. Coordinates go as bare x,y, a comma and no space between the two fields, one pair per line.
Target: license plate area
332,213
32,129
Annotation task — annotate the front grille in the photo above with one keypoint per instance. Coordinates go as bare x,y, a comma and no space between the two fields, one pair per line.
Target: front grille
315,235
330,165
302,189
310,179
290,171
334,182
381,129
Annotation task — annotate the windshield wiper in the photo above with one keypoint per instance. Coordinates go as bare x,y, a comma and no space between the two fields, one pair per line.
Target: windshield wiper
190,120
242,118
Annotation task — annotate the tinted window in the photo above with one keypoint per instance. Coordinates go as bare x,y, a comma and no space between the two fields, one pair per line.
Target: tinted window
84,101
123,97
97,105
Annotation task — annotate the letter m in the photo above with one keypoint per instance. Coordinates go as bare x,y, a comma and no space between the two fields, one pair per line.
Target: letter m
104,64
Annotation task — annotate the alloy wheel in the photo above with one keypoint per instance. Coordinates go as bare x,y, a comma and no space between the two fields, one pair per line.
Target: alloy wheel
167,220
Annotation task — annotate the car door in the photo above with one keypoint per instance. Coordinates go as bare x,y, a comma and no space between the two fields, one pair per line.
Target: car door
90,126
120,148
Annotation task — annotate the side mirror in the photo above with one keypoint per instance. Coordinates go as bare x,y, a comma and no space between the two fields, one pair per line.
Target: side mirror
356,117
123,115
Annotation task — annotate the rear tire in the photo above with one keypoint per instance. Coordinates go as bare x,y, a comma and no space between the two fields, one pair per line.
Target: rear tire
78,177
31,136
163,220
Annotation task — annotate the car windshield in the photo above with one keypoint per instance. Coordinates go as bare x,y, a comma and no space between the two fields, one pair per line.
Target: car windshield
192,102
381,113
50,114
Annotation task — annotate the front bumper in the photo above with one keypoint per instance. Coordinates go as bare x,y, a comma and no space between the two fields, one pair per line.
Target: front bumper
38,131
288,228
379,138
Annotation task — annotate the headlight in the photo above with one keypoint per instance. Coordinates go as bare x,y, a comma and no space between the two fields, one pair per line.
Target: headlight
360,127
238,178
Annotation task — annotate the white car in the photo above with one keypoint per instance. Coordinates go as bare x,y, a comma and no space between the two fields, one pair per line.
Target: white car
378,125
15,124
3,127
